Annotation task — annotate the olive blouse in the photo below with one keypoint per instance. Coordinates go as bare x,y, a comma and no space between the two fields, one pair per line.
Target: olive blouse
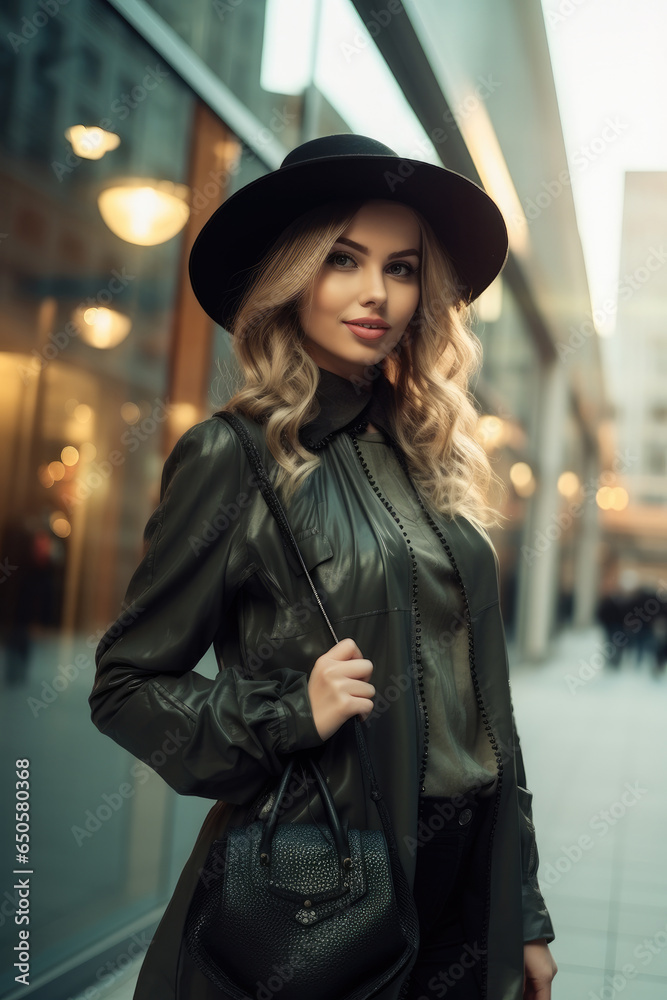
459,753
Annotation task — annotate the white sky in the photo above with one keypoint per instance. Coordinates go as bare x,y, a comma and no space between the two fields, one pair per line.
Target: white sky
608,59
346,64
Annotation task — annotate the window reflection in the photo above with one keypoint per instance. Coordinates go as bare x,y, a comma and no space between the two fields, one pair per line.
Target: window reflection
85,335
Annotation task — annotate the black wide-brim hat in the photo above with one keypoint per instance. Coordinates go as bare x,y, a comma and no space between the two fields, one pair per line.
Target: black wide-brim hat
466,221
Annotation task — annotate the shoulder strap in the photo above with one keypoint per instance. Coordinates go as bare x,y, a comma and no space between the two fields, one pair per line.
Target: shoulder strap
276,509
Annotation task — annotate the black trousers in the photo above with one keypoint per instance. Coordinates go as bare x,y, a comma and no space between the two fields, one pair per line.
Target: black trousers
449,960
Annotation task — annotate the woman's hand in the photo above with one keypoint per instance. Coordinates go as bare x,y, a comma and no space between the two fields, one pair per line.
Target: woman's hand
339,687
539,969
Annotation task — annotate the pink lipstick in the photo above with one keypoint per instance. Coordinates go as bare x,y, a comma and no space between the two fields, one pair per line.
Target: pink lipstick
365,333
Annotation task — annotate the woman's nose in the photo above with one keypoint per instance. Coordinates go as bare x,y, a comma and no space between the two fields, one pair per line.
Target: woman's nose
373,286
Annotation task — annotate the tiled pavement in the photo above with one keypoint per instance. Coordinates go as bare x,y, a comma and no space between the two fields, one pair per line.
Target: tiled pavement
595,751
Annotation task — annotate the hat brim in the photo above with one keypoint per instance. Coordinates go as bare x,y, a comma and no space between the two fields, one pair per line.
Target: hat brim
467,222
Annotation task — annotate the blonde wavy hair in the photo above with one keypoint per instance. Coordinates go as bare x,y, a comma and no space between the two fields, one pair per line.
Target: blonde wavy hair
433,415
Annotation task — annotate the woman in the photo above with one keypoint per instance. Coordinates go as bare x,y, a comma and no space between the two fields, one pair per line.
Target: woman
344,278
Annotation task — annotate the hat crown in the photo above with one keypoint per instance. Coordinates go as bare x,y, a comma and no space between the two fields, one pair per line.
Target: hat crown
342,144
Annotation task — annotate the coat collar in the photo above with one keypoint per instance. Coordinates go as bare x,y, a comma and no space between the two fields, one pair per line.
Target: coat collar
346,405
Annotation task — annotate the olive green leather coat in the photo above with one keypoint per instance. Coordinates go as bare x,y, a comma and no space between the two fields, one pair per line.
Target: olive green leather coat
215,570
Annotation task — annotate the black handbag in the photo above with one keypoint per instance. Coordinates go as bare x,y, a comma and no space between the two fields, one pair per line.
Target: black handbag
295,909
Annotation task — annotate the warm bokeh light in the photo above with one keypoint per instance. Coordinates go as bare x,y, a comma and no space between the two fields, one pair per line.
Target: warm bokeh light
59,524
621,498
101,327
82,413
603,497
612,498
145,212
87,451
44,476
182,416
568,484
490,431
130,412
522,479
91,143
57,470
69,455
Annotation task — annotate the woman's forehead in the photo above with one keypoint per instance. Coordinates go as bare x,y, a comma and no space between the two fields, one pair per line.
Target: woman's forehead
385,218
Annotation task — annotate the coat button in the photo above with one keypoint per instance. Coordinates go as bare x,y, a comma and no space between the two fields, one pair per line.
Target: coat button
465,816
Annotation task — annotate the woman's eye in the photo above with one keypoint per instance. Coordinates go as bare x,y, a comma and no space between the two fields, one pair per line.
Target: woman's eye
333,257
340,259
409,269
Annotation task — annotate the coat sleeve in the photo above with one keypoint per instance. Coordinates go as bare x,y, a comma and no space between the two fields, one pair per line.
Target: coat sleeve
536,919
221,738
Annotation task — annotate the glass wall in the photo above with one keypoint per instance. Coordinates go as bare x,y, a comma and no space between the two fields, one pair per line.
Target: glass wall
86,329
508,391
304,68
511,359
576,492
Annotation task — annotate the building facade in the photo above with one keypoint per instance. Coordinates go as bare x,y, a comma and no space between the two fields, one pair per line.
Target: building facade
124,125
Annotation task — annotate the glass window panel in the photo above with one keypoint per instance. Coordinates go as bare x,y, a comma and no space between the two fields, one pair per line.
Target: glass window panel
352,87
511,362
108,836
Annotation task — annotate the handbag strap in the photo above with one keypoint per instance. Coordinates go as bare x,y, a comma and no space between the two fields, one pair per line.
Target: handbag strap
276,509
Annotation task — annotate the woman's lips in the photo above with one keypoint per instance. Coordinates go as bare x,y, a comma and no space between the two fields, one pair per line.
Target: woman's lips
365,334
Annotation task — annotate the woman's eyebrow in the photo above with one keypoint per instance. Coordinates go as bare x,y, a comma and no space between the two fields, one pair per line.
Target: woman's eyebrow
363,249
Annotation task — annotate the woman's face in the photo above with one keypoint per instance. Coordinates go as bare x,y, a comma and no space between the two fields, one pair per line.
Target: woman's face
371,275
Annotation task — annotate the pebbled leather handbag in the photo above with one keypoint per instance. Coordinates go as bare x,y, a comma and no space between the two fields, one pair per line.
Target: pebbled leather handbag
294,908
